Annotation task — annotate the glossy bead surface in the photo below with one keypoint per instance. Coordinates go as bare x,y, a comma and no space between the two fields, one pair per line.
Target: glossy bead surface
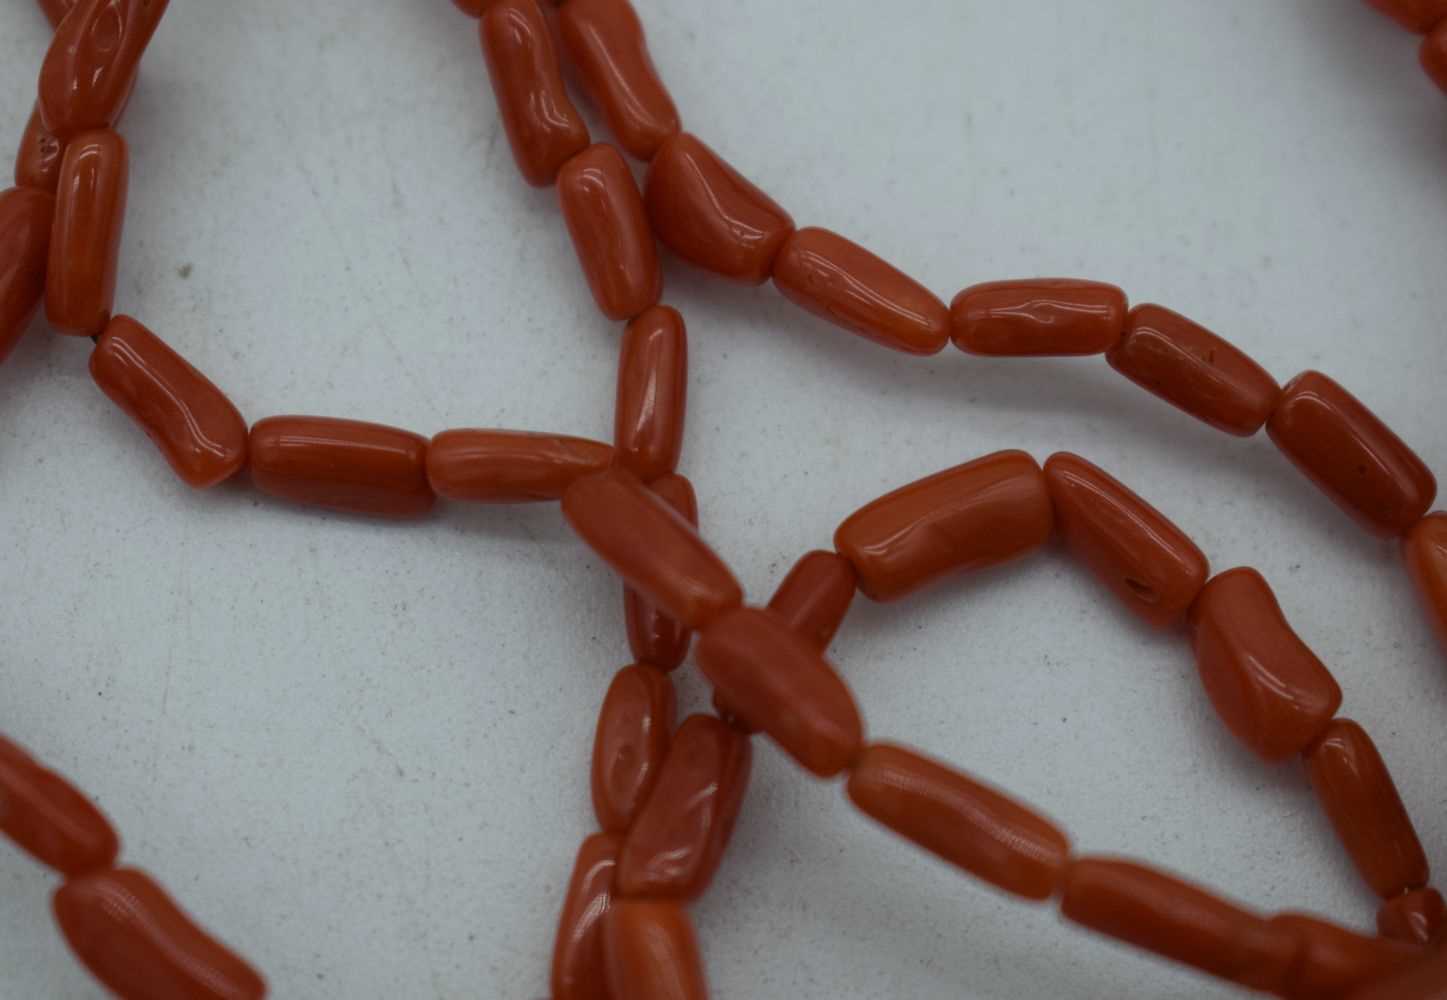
604,40
92,61
1172,918
1131,547
706,212
1425,550
652,952
969,824
1433,56
344,465
653,548
37,162
814,598
604,214
542,124
1350,455
654,637
652,399
1038,316
975,515
194,425
630,743
134,938
493,466
1190,367
781,684
578,971
1417,917
850,287
1267,686
50,818
1414,15
1332,961
676,843
85,240
1356,790
25,227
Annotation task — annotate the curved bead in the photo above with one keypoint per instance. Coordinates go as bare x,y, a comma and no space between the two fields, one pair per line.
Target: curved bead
25,227
1425,549
655,638
85,241
1038,317
1420,16
630,743
579,972
648,419
91,65
344,465
1415,917
814,598
493,466
652,953
1332,961
37,161
50,818
604,214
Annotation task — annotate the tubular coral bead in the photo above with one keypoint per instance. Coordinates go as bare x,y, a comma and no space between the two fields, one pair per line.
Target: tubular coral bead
630,743
1425,549
1038,316
655,638
814,598
578,971
648,419
1415,917
344,465
92,61
604,214
1332,961
494,466
652,952
85,241
25,227
50,818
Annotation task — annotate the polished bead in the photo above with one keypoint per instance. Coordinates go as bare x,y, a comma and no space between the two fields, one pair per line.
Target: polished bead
630,743
710,215
652,547
37,162
1420,16
604,214
55,10
676,843
1131,547
652,953
85,240
1433,55
134,938
25,227
91,65
814,598
578,969
1269,689
969,824
344,465
1176,920
542,124
781,684
975,515
493,466
1332,961
847,285
50,818
655,638
1415,917
1350,455
193,424
1038,316
1425,979
1192,368
652,393
604,41
1425,549
1360,798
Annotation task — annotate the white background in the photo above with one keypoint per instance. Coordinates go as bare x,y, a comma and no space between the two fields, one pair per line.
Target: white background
358,750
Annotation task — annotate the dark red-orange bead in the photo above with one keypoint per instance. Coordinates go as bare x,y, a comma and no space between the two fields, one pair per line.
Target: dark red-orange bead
1433,55
494,466
25,227
1422,980
1420,16
603,211
814,598
579,972
85,240
37,162
92,61
630,743
648,418
652,952
1425,549
1038,316
654,637
345,465
1331,961
50,818
1417,917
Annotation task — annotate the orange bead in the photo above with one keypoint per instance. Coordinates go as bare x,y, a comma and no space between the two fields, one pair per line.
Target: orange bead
344,465
604,214
25,227
1332,961
1038,316
492,466
1130,546
194,425
710,215
675,845
781,684
578,971
652,393
1268,687
542,124
1360,798
652,953
1350,455
1190,367
975,515
1425,548
134,938
1422,980
652,547
971,825
1176,920
847,285
814,598
630,743
655,638
55,10
50,818
85,241
1433,55
1415,917
37,162
91,65
1420,16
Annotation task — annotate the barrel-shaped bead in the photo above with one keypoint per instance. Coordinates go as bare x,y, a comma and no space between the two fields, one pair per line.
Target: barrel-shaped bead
1038,316
497,466
91,65
343,465
967,823
975,515
50,818
25,228
37,161
1425,549
654,637
648,418
1417,917
578,971
777,679
814,598
630,743
1433,55
133,937
711,215
603,210
652,952
844,283
542,125
1350,455
1131,547
85,240
1420,16
1333,962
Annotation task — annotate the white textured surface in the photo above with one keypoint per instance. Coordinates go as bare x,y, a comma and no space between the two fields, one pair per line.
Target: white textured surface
358,751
